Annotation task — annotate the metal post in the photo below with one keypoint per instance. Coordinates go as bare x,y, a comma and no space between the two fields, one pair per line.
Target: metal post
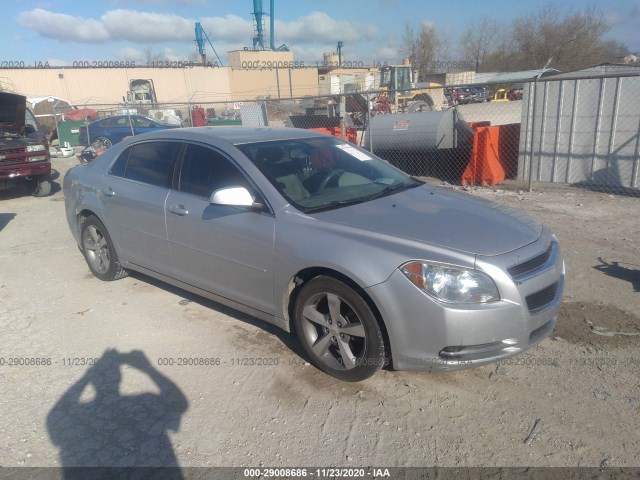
636,161
543,129
596,141
556,143
290,85
126,105
395,86
55,122
533,128
369,129
574,113
343,113
278,82
86,125
612,132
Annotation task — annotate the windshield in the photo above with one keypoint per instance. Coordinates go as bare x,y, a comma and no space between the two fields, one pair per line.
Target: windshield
321,173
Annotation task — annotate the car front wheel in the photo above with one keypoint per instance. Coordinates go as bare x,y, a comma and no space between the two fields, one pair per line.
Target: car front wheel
338,330
42,187
98,251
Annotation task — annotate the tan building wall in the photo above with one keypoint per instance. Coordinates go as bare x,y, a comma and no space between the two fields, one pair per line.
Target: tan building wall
173,85
109,85
274,83
260,59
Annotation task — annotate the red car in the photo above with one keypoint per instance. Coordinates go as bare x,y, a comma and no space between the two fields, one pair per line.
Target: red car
23,159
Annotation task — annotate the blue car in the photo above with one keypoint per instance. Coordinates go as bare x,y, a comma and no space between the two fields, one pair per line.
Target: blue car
112,130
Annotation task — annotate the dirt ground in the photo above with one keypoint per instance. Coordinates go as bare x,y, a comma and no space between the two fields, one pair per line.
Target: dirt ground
243,396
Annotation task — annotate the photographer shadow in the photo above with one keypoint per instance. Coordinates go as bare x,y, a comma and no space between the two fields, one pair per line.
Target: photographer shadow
614,269
114,435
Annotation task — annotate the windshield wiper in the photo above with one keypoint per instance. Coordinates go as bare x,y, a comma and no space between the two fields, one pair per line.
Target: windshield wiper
336,204
341,203
390,188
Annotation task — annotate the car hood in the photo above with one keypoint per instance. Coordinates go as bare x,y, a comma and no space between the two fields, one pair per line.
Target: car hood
12,112
442,217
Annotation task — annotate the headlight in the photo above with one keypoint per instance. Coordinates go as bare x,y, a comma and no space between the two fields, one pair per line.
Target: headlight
35,148
450,284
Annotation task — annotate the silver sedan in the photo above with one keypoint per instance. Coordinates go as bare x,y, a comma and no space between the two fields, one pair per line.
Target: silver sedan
368,266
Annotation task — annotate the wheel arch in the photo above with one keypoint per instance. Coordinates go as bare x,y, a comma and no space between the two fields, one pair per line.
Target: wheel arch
424,97
297,282
82,214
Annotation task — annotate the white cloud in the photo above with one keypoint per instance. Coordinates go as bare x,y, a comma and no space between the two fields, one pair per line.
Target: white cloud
317,30
130,54
320,27
161,2
230,28
64,27
147,27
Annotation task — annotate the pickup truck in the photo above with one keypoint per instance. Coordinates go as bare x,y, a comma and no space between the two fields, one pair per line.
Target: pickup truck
23,159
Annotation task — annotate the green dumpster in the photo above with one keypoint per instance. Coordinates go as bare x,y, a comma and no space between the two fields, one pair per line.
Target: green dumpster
69,133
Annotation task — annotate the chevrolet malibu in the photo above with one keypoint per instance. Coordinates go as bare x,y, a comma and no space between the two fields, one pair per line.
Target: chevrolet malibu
367,265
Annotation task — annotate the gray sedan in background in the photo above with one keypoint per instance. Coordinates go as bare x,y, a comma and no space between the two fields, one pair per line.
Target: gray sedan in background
367,265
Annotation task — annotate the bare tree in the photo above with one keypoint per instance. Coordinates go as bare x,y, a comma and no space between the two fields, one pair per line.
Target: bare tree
423,47
479,40
150,56
573,41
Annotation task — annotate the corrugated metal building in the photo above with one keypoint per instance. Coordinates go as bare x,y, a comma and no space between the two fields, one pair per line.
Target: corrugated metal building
583,127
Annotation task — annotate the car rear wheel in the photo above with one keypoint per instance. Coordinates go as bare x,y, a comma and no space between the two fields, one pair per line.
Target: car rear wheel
338,330
98,251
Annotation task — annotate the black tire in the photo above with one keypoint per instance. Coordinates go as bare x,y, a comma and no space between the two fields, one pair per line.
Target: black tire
346,343
106,143
99,252
42,187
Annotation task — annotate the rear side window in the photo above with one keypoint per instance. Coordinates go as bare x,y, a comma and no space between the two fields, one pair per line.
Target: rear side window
150,163
205,170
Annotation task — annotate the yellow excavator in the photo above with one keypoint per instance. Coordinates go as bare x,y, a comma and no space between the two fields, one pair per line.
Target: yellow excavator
398,86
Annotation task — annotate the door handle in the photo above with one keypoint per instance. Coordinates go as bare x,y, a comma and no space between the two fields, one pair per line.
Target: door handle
108,192
179,210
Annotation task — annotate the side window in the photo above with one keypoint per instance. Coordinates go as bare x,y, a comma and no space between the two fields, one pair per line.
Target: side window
150,163
30,119
205,170
141,122
120,165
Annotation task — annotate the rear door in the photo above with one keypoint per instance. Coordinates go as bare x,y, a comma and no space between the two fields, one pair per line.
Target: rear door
133,198
221,249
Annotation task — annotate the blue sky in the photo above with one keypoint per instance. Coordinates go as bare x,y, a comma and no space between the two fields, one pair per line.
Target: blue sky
63,31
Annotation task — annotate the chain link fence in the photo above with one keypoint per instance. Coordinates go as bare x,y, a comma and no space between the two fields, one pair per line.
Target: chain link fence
557,131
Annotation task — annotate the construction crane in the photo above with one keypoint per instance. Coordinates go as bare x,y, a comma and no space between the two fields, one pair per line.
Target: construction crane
201,36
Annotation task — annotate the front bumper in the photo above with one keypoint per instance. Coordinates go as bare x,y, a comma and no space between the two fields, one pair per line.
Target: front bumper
428,335
23,169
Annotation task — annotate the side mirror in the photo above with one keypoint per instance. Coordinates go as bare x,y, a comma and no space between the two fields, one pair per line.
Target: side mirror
235,197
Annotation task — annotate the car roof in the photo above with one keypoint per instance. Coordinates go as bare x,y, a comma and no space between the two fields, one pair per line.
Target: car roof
238,135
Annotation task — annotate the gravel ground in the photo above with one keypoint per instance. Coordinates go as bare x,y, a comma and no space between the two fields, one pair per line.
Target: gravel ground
131,408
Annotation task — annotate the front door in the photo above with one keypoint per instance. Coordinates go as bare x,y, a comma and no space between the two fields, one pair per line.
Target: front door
225,250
